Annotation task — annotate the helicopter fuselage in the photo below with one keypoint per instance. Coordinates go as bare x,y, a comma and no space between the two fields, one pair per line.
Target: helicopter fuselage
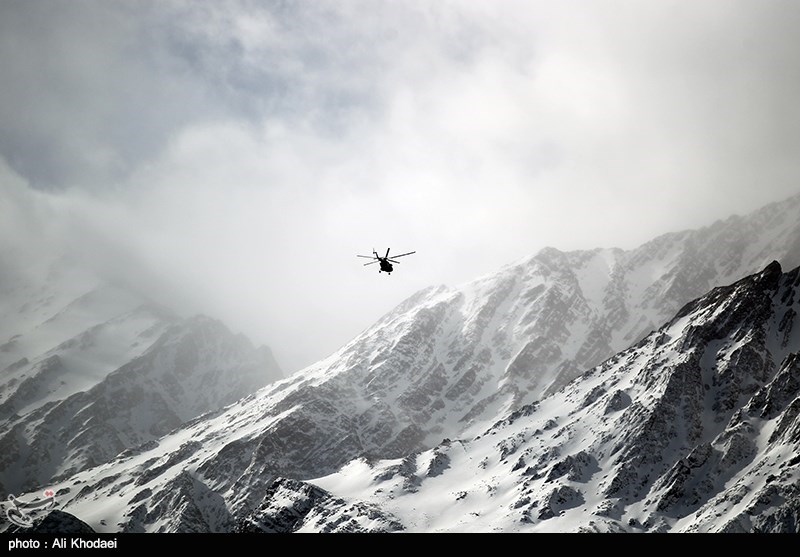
385,262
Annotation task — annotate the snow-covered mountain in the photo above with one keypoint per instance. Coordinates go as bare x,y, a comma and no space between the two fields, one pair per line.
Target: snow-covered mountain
89,369
694,429
444,364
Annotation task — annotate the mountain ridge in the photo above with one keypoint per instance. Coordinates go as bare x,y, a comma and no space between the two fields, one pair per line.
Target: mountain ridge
95,369
699,420
444,364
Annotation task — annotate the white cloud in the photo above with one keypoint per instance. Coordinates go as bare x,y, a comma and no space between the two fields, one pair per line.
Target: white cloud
236,156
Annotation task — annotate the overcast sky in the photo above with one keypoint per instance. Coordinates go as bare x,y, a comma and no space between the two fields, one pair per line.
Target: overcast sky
232,157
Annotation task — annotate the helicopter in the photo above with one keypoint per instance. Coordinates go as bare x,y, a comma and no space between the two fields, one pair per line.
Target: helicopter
386,263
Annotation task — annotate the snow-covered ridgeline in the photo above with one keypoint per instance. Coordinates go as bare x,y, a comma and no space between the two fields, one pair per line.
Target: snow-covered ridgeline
696,428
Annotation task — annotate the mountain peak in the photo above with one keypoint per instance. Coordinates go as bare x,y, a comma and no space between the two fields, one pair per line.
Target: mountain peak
771,272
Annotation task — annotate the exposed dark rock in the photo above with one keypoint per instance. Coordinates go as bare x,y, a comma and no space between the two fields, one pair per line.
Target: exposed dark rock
290,505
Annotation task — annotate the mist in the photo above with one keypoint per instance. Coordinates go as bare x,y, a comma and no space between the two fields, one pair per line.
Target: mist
232,158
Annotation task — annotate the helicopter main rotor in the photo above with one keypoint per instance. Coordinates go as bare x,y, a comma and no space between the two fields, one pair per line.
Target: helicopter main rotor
385,259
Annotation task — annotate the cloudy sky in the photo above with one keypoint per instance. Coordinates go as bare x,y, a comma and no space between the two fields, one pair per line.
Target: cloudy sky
232,157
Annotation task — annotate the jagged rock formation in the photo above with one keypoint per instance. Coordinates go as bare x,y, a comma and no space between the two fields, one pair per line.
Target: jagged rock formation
294,506
703,438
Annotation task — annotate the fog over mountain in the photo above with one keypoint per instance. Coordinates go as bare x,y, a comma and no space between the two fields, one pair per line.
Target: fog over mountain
90,369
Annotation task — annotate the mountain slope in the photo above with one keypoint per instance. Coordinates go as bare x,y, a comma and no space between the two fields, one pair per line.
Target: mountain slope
445,363
694,429
95,369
